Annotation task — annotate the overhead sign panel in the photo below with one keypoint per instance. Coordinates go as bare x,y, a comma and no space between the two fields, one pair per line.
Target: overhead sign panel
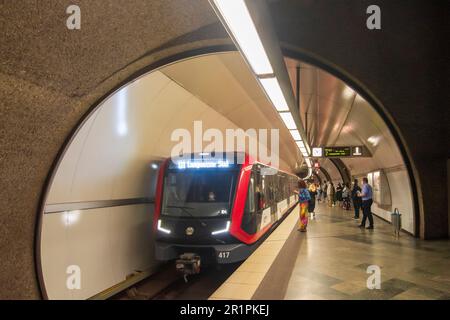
357,151
336,152
340,152
317,152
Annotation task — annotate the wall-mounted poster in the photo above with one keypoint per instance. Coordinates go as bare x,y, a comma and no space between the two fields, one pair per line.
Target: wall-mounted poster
380,188
376,187
370,178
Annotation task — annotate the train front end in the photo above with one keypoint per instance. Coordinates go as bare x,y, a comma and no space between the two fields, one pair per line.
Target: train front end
194,208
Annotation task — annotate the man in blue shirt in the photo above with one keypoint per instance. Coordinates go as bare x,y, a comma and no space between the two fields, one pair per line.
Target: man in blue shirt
366,195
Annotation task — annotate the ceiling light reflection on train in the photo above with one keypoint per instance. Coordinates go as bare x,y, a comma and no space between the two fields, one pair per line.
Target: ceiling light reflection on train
243,30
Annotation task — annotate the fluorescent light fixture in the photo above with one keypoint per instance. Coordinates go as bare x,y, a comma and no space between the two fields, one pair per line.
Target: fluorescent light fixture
122,125
222,230
162,229
240,23
300,144
296,135
288,120
273,90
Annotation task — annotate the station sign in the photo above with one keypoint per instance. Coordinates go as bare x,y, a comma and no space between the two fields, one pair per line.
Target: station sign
317,152
336,152
340,152
357,151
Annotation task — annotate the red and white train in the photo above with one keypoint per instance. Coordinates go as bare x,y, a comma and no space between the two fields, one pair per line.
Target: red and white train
218,209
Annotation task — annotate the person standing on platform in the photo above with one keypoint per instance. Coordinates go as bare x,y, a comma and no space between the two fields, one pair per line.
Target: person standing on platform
356,200
319,193
330,194
346,197
303,199
312,202
339,194
366,196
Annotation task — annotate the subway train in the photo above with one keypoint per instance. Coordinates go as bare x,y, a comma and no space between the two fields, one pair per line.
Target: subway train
218,209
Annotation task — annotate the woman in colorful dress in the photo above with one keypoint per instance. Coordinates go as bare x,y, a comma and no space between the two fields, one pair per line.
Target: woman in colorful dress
303,199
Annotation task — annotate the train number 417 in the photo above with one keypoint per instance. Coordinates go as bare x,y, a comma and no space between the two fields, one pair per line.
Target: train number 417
224,254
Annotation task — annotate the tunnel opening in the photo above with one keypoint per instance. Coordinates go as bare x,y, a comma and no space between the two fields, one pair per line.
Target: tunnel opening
67,230
413,178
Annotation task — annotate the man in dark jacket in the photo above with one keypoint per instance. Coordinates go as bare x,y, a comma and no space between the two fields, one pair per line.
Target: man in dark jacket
356,200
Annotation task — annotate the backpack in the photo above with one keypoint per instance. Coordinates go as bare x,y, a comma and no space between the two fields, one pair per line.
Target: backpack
304,195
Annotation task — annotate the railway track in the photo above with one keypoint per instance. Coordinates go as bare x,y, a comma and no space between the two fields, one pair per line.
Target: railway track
168,284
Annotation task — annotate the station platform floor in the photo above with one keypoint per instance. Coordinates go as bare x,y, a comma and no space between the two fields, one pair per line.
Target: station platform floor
330,261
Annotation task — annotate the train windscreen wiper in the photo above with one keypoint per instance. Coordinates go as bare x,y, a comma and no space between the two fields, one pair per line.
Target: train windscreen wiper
179,207
185,210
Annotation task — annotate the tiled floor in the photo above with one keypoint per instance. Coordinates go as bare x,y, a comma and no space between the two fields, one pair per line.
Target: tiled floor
333,259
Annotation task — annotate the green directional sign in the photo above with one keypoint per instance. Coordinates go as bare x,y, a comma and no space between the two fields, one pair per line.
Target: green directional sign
336,152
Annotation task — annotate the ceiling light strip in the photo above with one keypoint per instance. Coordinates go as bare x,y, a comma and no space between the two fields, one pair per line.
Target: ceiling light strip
238,21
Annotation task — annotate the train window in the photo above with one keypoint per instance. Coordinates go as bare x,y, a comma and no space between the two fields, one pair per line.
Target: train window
250,203
280,187
202,193
268,190
265,192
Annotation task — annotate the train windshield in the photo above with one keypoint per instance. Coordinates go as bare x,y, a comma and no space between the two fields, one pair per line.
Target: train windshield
198,193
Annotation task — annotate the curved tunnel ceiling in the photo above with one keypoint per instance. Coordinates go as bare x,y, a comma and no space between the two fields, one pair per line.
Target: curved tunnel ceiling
334,115
236,95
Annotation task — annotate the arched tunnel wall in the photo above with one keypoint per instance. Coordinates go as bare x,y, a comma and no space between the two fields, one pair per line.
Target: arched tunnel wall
355,122
409,90
99,208
44,96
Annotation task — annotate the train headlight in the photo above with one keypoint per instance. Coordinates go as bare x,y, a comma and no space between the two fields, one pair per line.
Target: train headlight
160,228
222,230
